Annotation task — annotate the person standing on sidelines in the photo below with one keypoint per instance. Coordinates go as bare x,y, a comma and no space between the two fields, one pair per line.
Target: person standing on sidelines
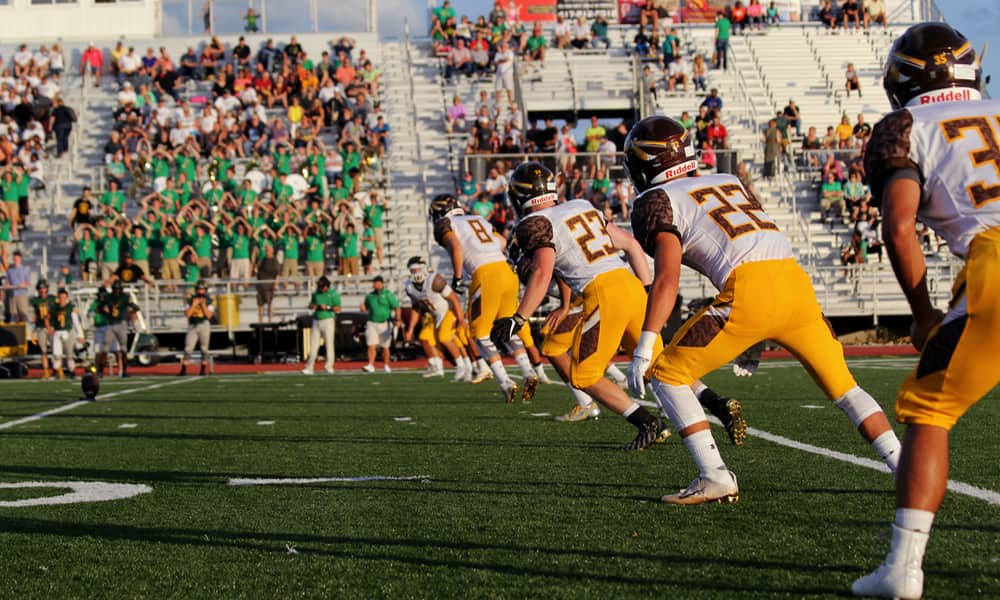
119,310
65,323
325,303
42,306
18,280
382,308
199,312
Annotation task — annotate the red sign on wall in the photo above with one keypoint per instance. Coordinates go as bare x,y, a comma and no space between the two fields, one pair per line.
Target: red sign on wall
536,10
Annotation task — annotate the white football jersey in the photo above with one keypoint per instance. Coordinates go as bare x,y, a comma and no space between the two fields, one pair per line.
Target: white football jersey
954,147
719,223
480,245
578,234
424,296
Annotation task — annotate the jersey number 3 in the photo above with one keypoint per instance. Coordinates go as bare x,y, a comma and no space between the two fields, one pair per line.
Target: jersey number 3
720,213
598,233
954,129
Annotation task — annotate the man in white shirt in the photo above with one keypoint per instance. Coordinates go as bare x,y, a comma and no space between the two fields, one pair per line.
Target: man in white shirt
22,60
563,31
47,88
504,61
677,73
127,95
41,59
128,65
581,34
227,103
496,185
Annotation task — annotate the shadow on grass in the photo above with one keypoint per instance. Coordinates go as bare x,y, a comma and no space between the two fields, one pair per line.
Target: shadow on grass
425,553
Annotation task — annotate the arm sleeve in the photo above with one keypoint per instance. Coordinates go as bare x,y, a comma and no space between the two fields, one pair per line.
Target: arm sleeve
441,229
888,151
652,214
534,233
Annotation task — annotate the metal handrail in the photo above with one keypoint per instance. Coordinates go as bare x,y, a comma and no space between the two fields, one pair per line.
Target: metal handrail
413,114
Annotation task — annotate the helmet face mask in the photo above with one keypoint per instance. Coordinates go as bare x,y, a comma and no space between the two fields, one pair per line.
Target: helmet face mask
658,149
444,206
932,57
531,185
418,269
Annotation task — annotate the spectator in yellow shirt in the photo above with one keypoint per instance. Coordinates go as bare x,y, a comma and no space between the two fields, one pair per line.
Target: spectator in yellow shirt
295,116
845,133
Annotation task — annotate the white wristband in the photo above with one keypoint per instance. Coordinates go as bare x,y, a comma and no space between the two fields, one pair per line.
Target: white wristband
645,346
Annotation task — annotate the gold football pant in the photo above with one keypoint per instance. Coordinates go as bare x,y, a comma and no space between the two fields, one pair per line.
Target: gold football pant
492,295
772,299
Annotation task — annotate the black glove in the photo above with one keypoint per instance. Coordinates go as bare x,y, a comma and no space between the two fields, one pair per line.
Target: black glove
505,328
458,285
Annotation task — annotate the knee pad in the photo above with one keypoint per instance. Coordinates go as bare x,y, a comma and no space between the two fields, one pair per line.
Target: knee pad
858,405
680,404
487,349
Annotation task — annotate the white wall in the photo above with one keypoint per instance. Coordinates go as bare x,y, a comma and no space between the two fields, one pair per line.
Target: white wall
22,20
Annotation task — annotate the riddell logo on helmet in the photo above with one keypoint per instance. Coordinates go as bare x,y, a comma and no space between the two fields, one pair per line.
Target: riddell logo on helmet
951,95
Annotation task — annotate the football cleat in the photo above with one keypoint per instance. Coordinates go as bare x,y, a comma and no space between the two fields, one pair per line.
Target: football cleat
655,432
901,575
431,372
580,413
307,371
509,392
387,369
530,386
704,491
733,421
368,368
483,376
329,370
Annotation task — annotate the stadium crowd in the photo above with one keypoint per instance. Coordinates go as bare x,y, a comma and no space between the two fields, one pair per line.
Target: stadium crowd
228,156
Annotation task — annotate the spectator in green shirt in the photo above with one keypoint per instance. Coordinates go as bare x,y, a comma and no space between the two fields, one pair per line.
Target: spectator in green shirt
599,32
169,238
374,211
113,198
367,246
289,238
482,206
382,308
86,244
536,44
110,244
350,252
325,303
138,244
723,29
315,250
282,191
246,194
832,198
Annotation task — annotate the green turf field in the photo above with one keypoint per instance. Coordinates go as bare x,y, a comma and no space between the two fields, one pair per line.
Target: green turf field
503,501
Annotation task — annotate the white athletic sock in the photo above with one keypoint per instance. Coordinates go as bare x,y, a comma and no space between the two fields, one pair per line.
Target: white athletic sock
500,373
706,455
698,388
582,398
615,373
481,365
525,363
888,447
466,365
539,370
914,519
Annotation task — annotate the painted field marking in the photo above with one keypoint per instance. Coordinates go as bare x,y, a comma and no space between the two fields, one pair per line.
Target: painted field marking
811,406
402,419
541,414
265,422
82,491
307,480
72,405
128,426
958,487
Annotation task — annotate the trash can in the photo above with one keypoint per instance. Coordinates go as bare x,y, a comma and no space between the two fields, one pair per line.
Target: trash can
229,310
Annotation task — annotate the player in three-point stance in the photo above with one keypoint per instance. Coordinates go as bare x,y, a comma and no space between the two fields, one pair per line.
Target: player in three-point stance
444,321
718,228
927,160
478,251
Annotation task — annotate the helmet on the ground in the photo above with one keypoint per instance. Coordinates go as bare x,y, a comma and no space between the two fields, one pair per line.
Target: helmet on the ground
658,149
418,269
531,184
445,205
929,57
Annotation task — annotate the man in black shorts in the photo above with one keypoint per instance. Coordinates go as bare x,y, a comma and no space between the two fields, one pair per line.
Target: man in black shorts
268,271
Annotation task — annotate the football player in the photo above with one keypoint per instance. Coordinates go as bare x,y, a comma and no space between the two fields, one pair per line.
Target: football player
936,158
573,242
476,250
444,323
718,228
119,310
67,331
198,312
42,307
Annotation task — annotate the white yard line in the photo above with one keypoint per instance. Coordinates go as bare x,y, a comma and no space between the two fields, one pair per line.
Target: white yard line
72,405
958,487
307,480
